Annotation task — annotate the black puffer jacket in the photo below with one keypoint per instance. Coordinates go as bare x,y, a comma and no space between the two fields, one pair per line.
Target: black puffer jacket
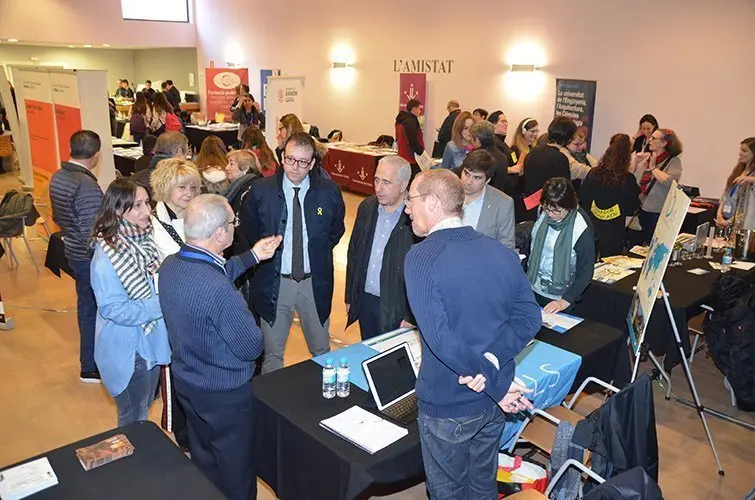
75,197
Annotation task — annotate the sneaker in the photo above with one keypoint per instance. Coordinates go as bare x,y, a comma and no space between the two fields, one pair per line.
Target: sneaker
92,377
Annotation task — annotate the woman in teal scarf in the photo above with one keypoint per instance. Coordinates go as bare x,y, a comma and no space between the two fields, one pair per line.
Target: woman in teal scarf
562,250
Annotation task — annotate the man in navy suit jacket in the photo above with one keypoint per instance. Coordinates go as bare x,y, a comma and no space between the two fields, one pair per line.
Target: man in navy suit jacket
308,210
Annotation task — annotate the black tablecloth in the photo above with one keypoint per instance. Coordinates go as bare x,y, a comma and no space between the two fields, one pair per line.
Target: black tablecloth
603,349
609,304
691,221
299,459
196,136
56,260
124,165
157,469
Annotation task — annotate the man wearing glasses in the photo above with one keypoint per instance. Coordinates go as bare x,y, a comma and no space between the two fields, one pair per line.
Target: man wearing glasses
308,210
475,311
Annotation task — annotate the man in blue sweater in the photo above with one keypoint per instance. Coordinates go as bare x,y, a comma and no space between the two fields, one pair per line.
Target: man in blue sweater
476,311
215,341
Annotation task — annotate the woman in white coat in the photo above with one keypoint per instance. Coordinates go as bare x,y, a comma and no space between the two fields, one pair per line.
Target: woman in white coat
175,182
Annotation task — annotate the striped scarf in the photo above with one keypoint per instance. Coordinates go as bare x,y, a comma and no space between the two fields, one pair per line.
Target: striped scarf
135,260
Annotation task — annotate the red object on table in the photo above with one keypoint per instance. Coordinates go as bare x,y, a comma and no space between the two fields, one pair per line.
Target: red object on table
351,170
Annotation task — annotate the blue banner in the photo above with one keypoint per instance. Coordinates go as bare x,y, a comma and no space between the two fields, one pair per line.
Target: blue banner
264,73
575,99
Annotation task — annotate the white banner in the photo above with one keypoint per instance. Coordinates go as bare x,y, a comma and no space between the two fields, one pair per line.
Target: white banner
285,94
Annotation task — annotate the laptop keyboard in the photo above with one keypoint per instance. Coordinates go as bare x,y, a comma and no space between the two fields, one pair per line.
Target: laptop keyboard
403,409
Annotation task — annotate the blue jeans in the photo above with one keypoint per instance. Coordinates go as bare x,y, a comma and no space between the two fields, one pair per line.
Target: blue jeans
87,312
134,402
461,455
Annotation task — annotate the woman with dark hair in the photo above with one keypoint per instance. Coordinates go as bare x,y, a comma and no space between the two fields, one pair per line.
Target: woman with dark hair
547,162
246,115
610,195
138,120
211,162
460,143
335,135
562,249
163,118
656,171
641,139
739,195
241,91
254,141
130,339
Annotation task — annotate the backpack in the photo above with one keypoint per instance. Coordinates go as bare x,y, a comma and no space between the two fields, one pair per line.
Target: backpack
730,332
173,123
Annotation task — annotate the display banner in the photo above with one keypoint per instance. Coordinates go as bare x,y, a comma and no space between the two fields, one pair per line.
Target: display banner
220,89
264,75
34,97
575,99
285,94
65,96
412,86
670,221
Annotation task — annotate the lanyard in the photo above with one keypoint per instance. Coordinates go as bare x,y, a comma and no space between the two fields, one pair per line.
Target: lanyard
200,256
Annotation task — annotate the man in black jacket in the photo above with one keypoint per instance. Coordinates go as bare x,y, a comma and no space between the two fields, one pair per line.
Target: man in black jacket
483,137
174,96
76,198
409,134
446,129
308,210
382,235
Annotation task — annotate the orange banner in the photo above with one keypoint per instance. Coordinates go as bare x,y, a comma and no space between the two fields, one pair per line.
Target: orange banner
44,148
68,120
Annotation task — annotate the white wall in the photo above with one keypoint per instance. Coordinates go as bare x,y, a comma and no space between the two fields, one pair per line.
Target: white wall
87,22
688,62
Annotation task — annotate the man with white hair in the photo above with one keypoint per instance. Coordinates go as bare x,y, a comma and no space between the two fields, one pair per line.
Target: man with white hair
215,341
382,235
475,311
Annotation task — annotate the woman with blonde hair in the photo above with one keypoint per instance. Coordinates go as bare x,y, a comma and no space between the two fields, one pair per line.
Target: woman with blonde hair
211,164
175,182
287,126
739,195
525,139
253,140
460,143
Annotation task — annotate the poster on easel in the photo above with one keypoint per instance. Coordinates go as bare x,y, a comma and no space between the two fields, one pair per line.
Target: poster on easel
575,99
285,94
220,90
661,245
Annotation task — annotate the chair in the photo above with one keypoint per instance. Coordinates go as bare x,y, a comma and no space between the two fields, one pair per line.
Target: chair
695,326
17,211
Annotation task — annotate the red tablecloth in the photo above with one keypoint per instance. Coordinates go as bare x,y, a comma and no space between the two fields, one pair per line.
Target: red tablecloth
353,171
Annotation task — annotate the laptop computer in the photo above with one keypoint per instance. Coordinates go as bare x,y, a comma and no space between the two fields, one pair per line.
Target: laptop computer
392,376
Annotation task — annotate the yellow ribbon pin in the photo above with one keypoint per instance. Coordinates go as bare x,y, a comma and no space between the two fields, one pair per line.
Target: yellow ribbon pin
319,210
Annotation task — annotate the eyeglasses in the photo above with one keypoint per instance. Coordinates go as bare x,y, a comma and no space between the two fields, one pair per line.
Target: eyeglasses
410,199
553,211
291,161
234,222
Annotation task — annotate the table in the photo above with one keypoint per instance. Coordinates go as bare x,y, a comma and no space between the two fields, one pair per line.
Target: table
609,304
157,470
289,439
695,218
56,260
227,132
125,159
352,166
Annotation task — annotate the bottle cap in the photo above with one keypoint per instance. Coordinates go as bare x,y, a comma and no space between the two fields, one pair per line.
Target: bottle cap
329,362
344,361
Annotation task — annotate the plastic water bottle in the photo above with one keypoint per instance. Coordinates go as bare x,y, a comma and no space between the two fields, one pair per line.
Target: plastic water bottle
726,261
328,380
343,387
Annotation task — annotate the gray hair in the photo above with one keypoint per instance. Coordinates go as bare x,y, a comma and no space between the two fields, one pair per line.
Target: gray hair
205,214
484,132
403,167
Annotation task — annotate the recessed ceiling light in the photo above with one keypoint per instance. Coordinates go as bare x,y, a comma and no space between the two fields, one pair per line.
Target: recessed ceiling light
106,45
71,46
12,40
88,46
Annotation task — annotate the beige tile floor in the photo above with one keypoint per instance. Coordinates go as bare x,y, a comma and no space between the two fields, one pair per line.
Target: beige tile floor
43,405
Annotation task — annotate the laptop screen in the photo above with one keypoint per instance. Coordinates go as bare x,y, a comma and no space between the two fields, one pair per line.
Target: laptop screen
391,375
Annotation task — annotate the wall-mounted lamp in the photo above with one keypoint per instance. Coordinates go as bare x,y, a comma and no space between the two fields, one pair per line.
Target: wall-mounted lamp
342,65
523,67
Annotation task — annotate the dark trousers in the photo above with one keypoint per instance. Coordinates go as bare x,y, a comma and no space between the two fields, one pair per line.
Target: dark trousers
173,418
221,437
87,312
648,221
461,454
369,316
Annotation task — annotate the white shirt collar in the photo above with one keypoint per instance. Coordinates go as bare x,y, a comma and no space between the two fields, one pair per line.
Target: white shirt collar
448,223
